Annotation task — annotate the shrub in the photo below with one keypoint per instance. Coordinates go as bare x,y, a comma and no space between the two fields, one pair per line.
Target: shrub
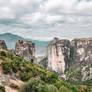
6,67
15,65
9,55
64,89
2,53
2,88
12,85
83,89
34,85
52,88
49,77
24,76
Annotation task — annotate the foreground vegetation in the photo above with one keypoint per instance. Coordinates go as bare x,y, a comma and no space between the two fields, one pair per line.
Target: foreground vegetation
2,88
36,78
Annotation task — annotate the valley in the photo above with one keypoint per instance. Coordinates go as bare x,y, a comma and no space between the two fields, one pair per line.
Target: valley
65,67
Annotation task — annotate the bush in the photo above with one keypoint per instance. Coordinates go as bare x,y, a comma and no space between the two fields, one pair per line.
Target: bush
15,65
2,53
52,88
64,89
34,85
83,89
9,55
6,67
24,76
49,77
2,88
12,85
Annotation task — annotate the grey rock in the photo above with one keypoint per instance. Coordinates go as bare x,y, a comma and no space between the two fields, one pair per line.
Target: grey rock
25,48
3,45
58,55
82,51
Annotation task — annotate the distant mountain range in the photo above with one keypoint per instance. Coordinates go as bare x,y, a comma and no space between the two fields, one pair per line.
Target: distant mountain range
11,39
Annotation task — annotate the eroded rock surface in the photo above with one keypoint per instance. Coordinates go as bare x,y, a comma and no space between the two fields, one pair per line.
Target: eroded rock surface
58,55
86,73
77,54
6,80
3,45
25,48
82,55
82,51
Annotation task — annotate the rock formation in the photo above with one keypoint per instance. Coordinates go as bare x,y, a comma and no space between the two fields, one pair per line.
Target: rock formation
25,48
79,51
58,55
3,45
82,55
82,50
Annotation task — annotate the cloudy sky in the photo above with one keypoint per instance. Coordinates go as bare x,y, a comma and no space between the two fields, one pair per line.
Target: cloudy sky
45,19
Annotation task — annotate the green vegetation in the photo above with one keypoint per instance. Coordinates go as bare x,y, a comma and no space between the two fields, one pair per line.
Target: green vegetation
12,85
43,62
74,74
34,85
38,85
52,88
37,78
64,89
2,88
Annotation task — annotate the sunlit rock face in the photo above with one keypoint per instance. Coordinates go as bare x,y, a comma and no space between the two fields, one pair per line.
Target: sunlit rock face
82,50
25,48
58,55
3,45
82,55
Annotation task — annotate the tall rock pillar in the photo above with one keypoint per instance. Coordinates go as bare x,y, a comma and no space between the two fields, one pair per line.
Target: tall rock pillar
25,48
58,55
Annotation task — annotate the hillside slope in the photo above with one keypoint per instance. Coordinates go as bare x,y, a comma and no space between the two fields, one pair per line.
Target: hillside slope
16,71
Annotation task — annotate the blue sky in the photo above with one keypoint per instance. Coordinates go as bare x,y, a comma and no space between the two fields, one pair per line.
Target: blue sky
45,19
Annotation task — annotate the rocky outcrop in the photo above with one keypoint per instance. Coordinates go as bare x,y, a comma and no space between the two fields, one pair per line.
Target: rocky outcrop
25,48
82,55
58,55
6,80
86,73
82,51
3,45
78,52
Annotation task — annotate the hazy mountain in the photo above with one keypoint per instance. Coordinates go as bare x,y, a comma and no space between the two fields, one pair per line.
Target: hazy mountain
11,39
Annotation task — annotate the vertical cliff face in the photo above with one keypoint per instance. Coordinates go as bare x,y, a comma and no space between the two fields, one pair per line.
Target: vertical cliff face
25,48
82,56
82,49
58,55
3,45
79,51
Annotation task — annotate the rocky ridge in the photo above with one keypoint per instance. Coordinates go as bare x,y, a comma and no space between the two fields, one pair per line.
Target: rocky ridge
63,54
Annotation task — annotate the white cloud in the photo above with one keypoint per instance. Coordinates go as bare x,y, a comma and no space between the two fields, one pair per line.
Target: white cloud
44,19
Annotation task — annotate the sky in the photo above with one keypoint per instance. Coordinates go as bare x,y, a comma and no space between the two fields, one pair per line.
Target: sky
45,19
